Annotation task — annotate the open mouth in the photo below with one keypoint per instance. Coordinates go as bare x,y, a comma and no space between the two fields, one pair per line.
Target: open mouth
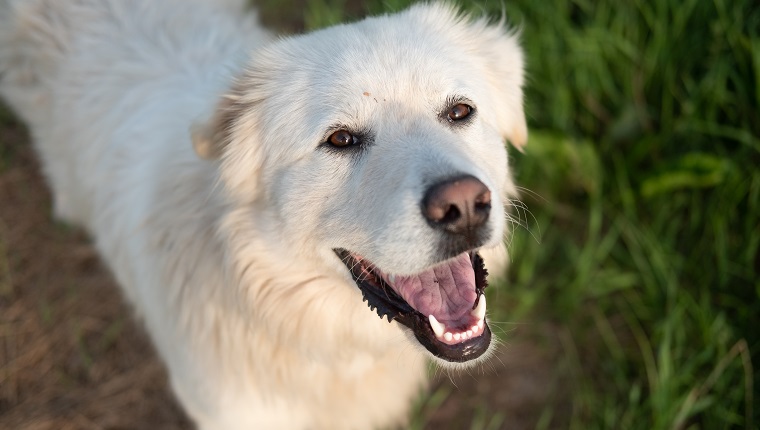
444,306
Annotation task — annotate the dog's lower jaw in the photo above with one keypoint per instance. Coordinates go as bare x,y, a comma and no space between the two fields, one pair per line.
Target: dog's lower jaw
463,335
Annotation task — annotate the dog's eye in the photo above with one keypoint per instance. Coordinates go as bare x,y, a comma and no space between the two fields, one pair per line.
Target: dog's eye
342,139
459,112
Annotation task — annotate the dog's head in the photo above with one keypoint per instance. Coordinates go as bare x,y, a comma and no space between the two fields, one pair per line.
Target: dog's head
380,145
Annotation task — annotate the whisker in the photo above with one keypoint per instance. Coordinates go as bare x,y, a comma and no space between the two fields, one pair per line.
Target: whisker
532,193
522,211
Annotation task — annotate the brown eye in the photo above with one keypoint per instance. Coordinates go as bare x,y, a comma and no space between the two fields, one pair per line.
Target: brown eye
459,112
341,138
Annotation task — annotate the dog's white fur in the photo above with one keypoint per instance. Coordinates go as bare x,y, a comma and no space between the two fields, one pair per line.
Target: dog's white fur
229,261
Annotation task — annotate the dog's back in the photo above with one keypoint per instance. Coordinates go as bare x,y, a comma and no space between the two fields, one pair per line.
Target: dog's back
109,89
67,65
37,36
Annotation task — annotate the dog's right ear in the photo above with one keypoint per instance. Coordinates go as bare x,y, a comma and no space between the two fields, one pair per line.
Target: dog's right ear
232,136
212,136
503,57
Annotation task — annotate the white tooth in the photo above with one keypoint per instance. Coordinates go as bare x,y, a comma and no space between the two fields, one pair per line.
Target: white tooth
457,336
448,337
469,333
480,311
475,329
480,324
438,328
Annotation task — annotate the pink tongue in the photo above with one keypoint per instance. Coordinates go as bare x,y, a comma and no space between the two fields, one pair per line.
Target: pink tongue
446,291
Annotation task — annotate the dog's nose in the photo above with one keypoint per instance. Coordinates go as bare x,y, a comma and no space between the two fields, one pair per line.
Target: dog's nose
459,205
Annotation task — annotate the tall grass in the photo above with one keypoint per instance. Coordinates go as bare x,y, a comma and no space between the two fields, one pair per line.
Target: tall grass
647,156
642,178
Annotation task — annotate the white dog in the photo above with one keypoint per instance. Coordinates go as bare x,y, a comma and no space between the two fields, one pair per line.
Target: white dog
363,162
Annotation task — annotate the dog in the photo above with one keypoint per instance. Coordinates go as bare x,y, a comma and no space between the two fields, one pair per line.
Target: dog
300,223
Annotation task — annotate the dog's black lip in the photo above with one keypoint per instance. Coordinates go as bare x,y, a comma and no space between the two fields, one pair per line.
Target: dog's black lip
387,303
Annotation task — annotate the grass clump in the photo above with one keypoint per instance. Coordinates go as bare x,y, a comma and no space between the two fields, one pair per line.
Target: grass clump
651,254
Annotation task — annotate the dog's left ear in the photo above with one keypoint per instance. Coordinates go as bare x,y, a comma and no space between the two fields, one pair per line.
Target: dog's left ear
232,136
211,136
504,62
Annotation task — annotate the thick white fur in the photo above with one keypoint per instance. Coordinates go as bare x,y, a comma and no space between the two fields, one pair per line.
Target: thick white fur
228,261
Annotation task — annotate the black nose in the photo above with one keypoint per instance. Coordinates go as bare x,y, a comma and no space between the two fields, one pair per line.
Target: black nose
458,205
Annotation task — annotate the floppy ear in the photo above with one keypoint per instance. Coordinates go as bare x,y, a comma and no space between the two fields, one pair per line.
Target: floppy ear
210,137
504,62
232,136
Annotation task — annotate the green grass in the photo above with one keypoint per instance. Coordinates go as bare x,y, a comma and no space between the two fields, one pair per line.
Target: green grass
644,192
645,151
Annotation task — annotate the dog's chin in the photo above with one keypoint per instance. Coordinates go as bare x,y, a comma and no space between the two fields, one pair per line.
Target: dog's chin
452,325
454,365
